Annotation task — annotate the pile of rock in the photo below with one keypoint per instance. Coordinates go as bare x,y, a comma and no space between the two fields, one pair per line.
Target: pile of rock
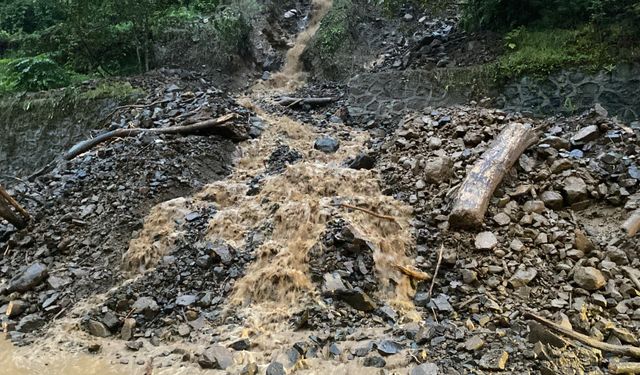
551,240
86,210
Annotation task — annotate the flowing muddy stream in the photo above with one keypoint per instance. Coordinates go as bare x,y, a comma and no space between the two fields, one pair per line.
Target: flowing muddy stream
296,205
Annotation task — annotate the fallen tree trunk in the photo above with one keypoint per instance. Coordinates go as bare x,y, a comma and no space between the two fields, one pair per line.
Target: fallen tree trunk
624,368
6,202
486,174
85,146
632,224
627,350
291,102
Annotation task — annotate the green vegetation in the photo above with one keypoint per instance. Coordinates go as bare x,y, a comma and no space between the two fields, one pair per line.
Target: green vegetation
542,36
334,30
50,43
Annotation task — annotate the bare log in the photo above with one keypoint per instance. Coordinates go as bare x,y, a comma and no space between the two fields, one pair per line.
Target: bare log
626,350
632,224
14,203
486,174
85,146
291,102
624,368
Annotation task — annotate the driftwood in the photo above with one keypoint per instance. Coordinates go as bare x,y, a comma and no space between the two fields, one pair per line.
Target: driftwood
85,146
626,350
632,224
413,273
624,368
486,174
19,219
287,101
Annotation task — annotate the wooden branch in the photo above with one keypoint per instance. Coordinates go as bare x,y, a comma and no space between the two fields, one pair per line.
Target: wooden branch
6,202
14,203
10,216
85,146
386,217
291,102
486,174
624,368
632,224
626,350
435,273
413,273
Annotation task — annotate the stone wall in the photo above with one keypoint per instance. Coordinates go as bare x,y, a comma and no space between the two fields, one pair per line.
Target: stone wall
39,127
569,92
566,92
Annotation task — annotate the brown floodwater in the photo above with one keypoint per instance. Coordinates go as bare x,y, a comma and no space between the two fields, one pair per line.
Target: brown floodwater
31,361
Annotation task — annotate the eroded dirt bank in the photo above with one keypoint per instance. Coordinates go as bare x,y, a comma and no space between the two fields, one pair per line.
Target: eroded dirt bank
301,240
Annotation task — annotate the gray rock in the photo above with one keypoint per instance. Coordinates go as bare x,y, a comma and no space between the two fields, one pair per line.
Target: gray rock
438,170
557,142
425,369
586,134
486,241
502,219
147,306
31,277
575,189
242,344
388,347
326,144
523,277
421,299
534,206
30,323
361,349
552,199
441,302
332,283
275,368
374,361
216,357
539,333
97,328
494,360
357,299
186,300
250,369
362,161
474,343
589,278
128,328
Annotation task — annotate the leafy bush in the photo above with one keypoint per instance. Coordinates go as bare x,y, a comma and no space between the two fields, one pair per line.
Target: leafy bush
504,15
37,73
233,30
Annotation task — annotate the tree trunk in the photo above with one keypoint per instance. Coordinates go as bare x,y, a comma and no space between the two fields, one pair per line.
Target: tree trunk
486,174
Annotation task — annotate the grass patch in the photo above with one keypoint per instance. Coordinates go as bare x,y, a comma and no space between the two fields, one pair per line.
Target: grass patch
541,52
334,30
115,90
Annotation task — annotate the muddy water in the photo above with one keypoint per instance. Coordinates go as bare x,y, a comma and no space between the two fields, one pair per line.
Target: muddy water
297,204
